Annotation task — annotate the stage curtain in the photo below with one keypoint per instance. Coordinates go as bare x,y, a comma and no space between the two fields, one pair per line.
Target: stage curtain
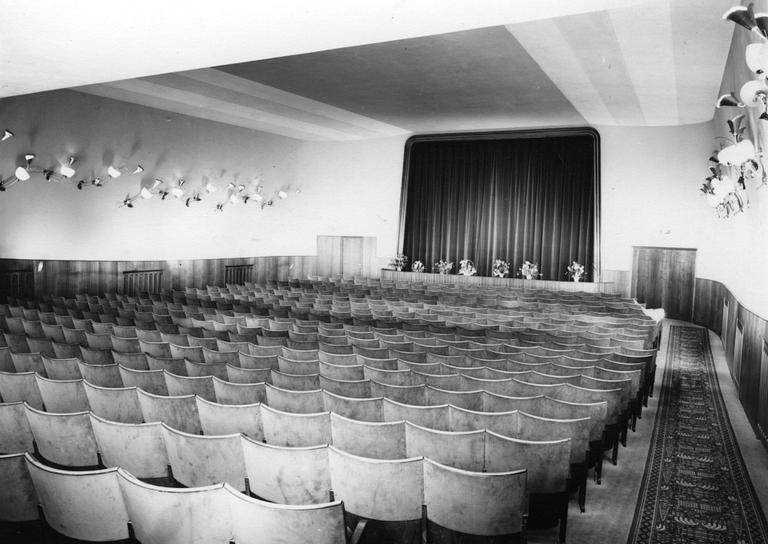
512,198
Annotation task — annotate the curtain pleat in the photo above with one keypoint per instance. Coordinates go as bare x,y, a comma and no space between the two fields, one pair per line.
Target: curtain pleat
515,199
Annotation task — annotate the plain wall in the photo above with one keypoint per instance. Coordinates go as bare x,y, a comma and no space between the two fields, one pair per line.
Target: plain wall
56,221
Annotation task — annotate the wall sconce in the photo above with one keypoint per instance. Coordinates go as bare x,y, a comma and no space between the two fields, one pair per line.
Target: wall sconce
117,171
66,170
6,135
21,173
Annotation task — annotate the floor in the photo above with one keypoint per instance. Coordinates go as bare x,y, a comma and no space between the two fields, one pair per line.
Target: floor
611,506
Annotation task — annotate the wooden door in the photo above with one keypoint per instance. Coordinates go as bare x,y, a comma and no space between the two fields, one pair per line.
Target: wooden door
352,256
664,277
347,256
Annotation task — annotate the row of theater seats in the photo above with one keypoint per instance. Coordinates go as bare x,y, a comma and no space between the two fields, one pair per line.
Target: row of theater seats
468,387
410,362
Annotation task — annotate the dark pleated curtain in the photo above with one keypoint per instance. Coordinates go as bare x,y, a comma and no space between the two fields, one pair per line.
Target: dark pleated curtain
514,199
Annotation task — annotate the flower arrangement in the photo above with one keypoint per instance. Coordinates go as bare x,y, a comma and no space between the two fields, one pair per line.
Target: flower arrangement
417,266
500,268
444,267
399,261
575,271
723,194
725,188
529,270
467,268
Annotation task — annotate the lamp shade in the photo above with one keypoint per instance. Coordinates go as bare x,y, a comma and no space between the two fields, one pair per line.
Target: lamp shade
753,93
67,171
742,16
756,55
729,100
737,154
114,172
22,174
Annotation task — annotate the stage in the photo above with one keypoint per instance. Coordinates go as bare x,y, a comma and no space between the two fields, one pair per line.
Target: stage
508,283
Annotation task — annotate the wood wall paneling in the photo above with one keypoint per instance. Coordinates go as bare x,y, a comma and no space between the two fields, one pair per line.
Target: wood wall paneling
743,334
664,277
738,346
66,278
762,403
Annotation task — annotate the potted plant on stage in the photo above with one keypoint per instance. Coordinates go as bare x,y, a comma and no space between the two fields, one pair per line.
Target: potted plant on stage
529,270
398,261
500,268
443,267
467,268
417,266
576,271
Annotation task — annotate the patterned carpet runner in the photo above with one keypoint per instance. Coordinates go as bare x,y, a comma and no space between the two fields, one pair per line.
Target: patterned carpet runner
696,487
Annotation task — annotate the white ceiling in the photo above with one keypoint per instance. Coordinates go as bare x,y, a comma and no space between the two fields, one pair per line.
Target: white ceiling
345,69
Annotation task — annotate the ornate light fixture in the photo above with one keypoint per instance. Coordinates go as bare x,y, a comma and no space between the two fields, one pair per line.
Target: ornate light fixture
726,187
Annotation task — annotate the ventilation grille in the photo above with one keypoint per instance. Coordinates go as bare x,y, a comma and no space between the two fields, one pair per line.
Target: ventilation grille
142,281
238,274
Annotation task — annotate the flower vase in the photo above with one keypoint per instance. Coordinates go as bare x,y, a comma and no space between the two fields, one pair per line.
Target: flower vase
577,279
528,277
399,268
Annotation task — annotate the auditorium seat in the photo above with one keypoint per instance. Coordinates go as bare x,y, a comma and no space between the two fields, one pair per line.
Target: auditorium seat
161,350
150,381
16,387
64,439
63,396
295,429
15,433
251,519
358,409
287,475
174,366
177,412
464,449
201,386
18,498
238,393
83,505
96,356
473,503
200,514
374,440
120,405
387,494
17,343
432,417
198,461
62,368
28,362
221,419
137,447
101,375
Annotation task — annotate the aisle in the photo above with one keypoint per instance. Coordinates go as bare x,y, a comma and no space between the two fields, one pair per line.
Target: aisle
696,487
